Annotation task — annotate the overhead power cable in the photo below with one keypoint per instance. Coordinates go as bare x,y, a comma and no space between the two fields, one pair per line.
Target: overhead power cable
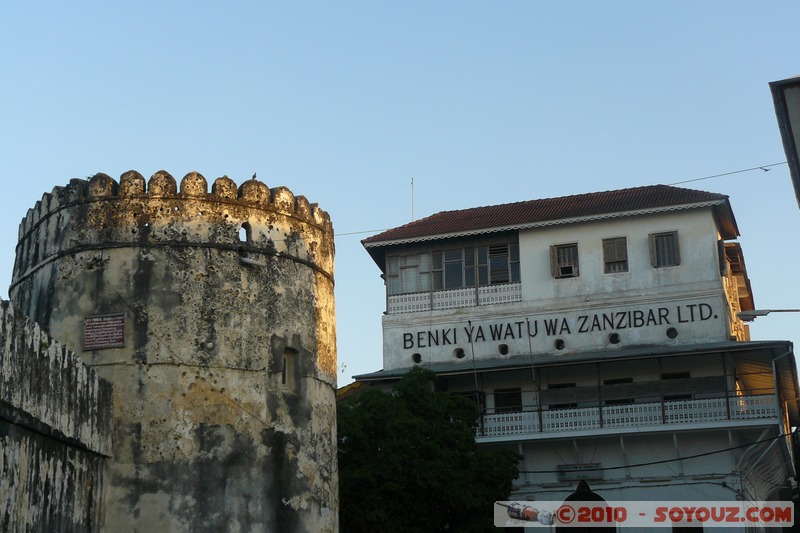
360,232
723,450
764,168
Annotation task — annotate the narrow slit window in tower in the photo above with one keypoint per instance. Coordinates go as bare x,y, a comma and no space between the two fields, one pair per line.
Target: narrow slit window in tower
288,370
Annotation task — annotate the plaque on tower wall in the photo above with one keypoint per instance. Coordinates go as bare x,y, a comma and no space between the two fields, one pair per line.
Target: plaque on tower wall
106,331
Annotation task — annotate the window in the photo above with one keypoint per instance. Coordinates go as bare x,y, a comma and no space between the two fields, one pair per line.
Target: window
289,374
449,270
455,268
408,273
615,255
563,405
482,265
497,264
479,397
564,260
616,393
246,233
513,258
664,249
676,389
507,400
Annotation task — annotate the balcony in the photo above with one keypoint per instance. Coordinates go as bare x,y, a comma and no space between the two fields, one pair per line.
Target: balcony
533,424
455,298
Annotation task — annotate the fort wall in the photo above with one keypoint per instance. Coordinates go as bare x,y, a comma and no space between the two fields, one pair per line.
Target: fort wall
55,432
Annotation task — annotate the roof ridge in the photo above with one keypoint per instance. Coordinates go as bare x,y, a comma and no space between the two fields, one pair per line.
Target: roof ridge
545,209
583,194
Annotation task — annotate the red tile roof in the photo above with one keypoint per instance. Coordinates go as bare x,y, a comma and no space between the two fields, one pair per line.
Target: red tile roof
532,212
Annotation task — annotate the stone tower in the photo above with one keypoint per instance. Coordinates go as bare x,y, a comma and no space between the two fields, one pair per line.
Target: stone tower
212,314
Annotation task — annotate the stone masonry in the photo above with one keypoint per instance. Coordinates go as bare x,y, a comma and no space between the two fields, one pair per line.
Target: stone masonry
211,313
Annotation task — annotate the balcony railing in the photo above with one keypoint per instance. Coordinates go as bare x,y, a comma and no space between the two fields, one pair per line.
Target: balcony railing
450,299
629,415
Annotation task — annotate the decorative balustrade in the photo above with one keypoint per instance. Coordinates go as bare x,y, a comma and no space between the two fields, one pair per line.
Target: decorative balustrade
409,303
745,407
570,419
455,298
517,423
684,411
500,294
629,415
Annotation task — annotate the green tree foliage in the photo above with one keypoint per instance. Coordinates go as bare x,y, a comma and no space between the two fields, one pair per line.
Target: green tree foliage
408,462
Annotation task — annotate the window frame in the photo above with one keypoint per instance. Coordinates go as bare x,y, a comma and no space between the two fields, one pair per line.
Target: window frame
400,270
665,255
567,405
559,263
625,400
615,254
682,374
510,396
453,268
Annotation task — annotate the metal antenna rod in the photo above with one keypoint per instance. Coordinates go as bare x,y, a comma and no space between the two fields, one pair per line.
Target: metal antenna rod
412,198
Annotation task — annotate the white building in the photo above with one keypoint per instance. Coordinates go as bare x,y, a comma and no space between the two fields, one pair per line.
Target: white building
599,333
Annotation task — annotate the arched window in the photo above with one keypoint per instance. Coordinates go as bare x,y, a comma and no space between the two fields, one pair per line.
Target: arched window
245,233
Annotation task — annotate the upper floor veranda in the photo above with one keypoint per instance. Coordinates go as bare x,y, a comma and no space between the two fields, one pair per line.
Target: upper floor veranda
720,385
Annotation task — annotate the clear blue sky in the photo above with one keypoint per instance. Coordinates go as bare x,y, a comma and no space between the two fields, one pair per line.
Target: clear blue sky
343,102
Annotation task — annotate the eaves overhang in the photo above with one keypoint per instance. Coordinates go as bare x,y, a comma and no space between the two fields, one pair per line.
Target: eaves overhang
786,99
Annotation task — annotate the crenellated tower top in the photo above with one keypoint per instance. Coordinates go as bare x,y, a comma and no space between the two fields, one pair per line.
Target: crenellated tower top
251,219
252,194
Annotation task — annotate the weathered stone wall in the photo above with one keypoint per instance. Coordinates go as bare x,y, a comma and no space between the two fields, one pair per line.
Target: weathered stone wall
224,389
55,432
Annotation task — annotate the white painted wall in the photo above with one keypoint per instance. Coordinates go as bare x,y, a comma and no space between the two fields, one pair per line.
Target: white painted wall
698,271
689,297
